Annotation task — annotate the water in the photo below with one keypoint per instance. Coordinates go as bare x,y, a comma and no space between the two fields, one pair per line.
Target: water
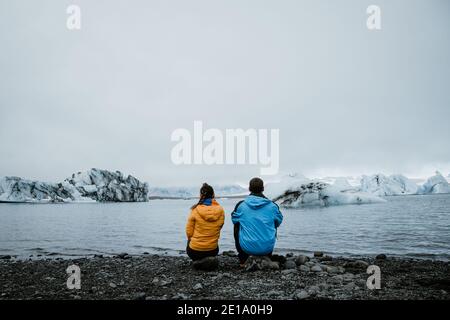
414,226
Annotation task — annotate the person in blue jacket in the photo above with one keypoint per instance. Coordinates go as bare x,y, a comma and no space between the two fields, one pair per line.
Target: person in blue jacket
255,220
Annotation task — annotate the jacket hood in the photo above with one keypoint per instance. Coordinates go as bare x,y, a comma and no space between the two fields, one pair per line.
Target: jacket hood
256,202
210,213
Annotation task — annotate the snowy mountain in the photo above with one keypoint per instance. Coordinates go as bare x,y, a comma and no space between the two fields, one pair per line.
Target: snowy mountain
435,184
381,185
92,185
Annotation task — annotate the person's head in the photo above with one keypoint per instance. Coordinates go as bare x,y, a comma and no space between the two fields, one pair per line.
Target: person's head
206,192
256,185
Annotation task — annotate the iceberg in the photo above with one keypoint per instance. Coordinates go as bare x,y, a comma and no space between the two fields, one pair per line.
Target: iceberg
435,184
107,186
89,186
318,193
381,185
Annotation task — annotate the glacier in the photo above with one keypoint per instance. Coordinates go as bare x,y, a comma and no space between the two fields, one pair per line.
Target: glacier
88,186
295,191
435,184
381,185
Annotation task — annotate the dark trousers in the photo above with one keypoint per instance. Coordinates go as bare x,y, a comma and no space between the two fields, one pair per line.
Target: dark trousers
198,255
242,255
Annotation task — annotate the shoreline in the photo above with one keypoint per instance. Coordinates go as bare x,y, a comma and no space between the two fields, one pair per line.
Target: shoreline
161,277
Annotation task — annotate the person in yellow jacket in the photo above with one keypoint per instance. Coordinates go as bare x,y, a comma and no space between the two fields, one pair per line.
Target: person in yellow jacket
203,226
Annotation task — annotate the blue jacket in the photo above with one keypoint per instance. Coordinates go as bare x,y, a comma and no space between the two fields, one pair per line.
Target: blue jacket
258,219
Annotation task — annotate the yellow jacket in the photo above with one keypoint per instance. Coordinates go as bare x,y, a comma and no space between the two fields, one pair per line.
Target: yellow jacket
203,226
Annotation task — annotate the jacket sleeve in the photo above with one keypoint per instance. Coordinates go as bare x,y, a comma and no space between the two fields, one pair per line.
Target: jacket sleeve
237,213
278,216
222,218
190,225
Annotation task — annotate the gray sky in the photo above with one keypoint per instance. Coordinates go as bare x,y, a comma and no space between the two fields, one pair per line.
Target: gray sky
347,100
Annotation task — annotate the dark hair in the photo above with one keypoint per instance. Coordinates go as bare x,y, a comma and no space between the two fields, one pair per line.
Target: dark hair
256,185
206,192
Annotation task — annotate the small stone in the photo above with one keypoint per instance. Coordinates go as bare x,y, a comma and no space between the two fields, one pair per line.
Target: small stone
381,257
197,286
301,260
316,268
332,269
313,290
229,253
289,271
139,296
289,264
361,264
304,268
336,279
146,253
349,286
326,258
112,285
318,254
302,295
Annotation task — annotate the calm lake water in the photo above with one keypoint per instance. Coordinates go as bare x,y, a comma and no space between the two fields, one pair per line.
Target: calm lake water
415,226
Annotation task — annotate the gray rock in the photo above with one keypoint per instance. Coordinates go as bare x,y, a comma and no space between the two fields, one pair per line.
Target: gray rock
349,286
112,285
301,260
316,268
255,263
304,268
301,295
313,290
290,264
229,253
289,271
197,286
139,296
318,254
338,279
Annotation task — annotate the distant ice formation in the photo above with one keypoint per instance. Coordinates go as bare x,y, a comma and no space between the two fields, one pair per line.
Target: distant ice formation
435,184
381,185
91,185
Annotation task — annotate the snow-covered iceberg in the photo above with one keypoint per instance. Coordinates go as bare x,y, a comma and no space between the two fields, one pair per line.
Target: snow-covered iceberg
381,185
107,186
435,184
92,185
15,189
318,193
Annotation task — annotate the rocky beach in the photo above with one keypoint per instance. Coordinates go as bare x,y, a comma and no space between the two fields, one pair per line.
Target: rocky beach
160,277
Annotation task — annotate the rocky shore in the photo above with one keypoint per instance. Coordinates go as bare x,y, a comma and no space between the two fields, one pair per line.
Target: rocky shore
155,277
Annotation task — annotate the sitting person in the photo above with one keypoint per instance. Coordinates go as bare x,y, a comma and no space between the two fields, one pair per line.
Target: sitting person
255,220
203,226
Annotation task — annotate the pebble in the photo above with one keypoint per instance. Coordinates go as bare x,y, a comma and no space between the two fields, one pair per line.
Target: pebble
302,295
139,296
316,268
288,271
318,254
289,264
301,260
112,285
197,286
304,268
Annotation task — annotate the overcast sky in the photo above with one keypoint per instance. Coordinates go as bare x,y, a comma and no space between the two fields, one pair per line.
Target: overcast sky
347,100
